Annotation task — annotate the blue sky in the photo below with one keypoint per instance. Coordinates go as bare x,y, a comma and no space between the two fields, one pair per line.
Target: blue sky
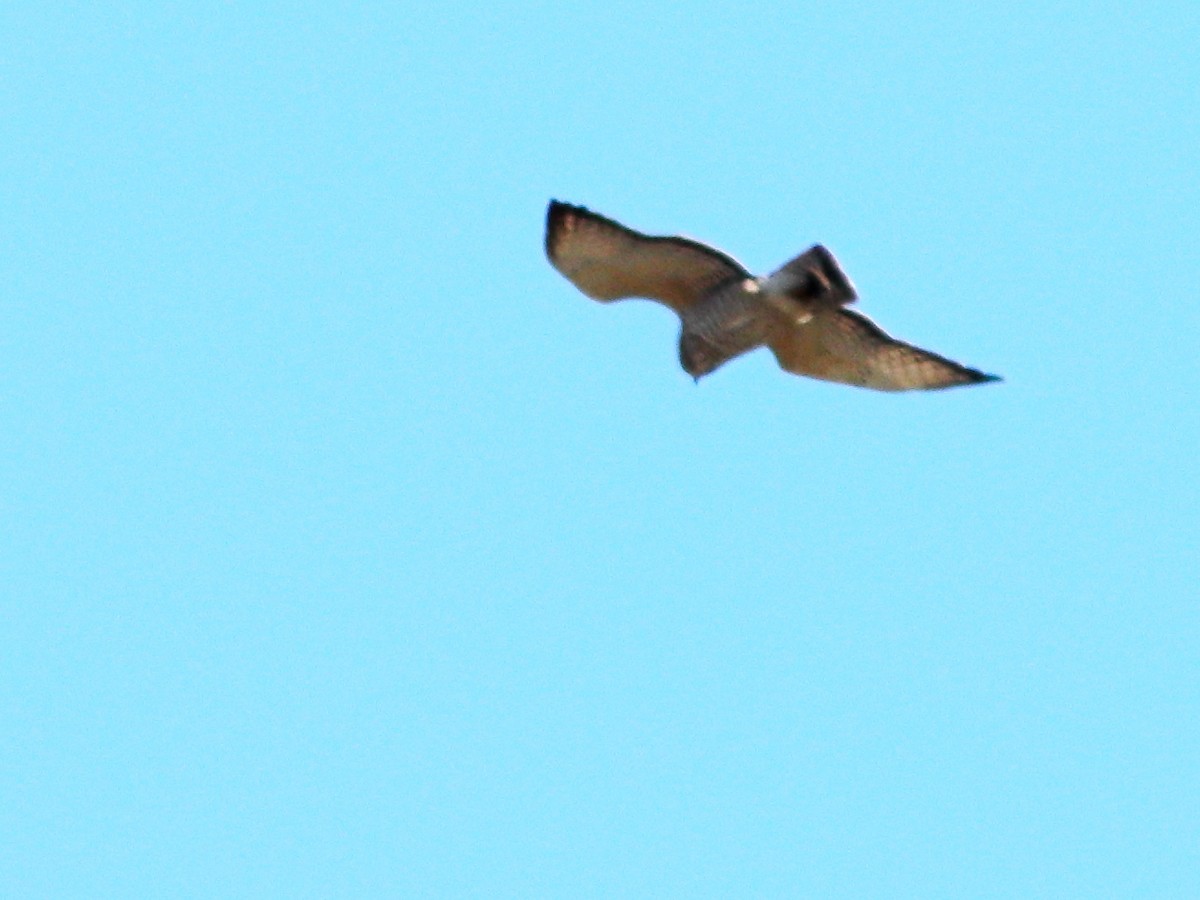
348,550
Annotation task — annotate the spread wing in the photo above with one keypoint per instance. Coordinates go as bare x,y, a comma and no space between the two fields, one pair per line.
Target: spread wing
608,261
842,345
813,275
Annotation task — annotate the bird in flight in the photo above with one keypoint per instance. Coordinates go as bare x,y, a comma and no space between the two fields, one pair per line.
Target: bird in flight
800,311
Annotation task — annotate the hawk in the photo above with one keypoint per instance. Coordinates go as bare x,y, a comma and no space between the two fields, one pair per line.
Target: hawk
799,311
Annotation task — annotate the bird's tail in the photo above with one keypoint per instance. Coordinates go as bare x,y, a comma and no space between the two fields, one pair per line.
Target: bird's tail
813,275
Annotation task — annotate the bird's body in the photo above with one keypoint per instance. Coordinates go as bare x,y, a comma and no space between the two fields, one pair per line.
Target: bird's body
730,320
798,311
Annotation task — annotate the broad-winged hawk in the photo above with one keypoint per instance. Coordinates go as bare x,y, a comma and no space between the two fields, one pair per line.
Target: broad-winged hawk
799,311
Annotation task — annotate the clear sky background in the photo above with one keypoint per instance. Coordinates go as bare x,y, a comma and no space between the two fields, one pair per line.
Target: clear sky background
347,550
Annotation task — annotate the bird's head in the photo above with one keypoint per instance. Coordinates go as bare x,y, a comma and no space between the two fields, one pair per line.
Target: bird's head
697,356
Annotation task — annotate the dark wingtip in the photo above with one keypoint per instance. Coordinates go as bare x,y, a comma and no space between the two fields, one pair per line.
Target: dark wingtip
832,271
962,376
555,213
557,209
558,214
978,377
